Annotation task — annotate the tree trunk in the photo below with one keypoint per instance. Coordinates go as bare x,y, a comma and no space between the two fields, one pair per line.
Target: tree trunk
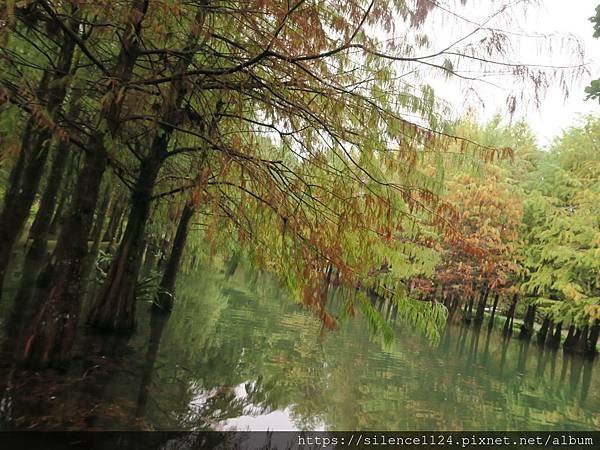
50,337
442,296
527,327
114,308
16,173
113,224
166,293
482,304
35,145
541,336
554,341
582,343
117,236
28,134
16,210
572,338
151,255
469,310
96,234
508,325
59,215
447,302
453,307
232,264
492,317
593,340
163,250
40,229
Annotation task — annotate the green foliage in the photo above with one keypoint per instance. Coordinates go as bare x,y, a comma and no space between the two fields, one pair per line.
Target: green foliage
530,224
561,226
593,90
596,21
301,142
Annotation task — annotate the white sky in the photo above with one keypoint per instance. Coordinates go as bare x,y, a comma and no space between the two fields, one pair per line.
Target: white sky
566,16
558,17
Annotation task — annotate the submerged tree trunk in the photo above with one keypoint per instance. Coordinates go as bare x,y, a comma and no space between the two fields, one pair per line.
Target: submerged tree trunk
166,293
508,325
572,338
50,337
543,333
554,340
527,327
482,304
492,317
592,349
114,308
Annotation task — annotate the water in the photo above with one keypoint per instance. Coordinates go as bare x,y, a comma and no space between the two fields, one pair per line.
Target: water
238,354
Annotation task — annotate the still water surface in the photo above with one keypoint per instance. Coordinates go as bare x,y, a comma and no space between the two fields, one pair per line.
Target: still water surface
237,354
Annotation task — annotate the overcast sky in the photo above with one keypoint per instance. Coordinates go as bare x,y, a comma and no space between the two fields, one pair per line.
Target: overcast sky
557,17
564,17
570,16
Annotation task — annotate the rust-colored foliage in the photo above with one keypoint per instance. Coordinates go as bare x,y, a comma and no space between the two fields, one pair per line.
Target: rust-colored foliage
482,252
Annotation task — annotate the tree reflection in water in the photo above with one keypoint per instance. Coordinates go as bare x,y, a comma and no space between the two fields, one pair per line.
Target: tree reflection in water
245,356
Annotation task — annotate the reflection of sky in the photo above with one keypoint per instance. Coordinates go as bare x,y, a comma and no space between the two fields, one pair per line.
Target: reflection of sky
280,420
254,420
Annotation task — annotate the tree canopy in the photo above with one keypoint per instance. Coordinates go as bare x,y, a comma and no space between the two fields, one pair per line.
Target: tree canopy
304,135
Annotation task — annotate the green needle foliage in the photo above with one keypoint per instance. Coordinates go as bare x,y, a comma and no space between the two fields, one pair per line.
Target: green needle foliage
304,137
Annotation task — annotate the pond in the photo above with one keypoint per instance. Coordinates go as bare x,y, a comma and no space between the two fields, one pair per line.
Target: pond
237,353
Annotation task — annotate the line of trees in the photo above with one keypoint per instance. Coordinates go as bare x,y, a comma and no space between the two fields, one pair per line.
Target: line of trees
529,238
